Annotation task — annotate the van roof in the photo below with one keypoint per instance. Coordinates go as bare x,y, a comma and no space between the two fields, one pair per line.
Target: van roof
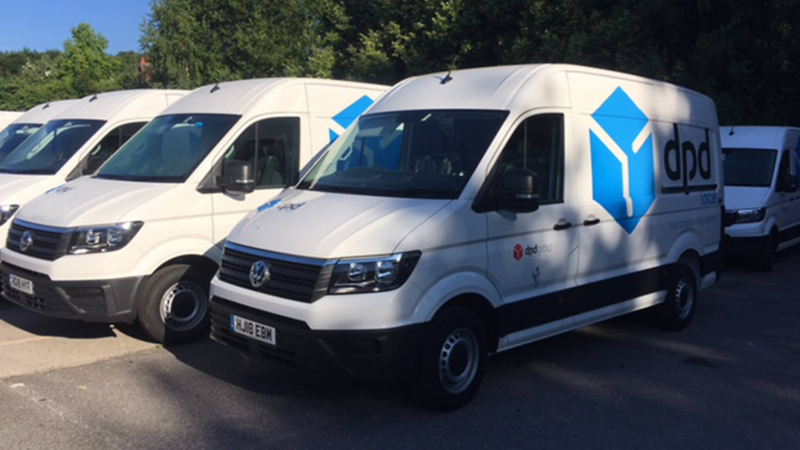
122,105
755,137
517,89
246,97
42,113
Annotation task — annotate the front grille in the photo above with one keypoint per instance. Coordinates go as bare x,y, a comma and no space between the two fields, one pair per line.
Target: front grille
48,243
293,278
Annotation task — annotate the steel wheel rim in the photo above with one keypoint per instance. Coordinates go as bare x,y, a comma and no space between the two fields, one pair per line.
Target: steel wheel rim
183,291
458,360
684,297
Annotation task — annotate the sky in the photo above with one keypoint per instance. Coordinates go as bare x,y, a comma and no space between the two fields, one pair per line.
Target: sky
45,24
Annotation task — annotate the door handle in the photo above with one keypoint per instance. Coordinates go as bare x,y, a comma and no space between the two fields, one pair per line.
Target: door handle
562,225
590,222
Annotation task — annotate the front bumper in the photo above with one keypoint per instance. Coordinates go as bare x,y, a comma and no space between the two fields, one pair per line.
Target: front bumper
104,301
354,353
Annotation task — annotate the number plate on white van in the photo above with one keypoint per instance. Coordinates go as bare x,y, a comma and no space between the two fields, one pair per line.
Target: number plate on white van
253,330
20,284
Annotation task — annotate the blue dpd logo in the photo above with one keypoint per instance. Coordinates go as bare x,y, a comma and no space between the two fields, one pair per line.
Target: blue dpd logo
623,121
349,115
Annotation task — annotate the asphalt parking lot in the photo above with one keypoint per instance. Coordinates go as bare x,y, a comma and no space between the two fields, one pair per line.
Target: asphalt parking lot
732,380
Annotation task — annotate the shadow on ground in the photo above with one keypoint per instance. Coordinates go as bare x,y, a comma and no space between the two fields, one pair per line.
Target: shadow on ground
40,325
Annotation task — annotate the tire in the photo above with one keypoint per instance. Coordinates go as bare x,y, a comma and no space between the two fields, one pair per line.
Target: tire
766,260
452,360
677,310
173,305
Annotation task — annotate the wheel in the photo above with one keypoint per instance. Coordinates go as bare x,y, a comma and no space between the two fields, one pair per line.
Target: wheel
678,308
452,360
173,304
766,260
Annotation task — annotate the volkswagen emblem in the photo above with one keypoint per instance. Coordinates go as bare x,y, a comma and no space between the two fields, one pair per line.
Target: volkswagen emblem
259,273
25,241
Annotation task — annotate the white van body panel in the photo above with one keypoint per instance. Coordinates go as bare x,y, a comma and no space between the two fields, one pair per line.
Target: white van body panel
43,113
115,108
520,263
8,117
781,209
179,220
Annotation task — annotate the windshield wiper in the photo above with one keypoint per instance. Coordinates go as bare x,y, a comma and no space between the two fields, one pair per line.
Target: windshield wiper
153,178
388,192
29,171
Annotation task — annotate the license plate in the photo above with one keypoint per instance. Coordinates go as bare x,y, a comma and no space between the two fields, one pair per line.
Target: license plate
20,284
253,330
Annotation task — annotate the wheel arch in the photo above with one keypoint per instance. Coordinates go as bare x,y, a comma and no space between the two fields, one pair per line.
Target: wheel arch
193,260
483,308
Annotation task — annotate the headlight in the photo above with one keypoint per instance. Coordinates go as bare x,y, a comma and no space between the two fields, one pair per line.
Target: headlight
749,215
351,276
6,212
104,238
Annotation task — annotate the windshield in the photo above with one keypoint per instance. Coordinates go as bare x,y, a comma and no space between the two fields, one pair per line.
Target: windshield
749,167
423,154
168,149
15,134
50,147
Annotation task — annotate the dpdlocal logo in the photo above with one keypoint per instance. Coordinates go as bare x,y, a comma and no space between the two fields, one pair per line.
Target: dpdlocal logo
688,166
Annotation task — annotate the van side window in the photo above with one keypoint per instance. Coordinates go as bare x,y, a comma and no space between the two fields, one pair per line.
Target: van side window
538,145
785,169
272,147
115,139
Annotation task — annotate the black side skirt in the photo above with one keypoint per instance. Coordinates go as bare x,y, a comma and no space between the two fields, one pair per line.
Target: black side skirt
547,308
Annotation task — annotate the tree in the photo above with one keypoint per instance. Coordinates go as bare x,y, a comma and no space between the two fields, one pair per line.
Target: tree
84,65
195,42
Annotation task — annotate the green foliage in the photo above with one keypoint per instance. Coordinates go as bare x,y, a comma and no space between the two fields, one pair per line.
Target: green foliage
28,78
744,54
84,65
196,42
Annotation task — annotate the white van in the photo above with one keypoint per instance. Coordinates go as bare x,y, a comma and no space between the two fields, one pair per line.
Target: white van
28,123
74,143
761,167
7,117
472,212
142,237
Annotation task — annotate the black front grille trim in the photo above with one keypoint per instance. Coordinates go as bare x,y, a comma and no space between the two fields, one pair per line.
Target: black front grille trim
294,278
48,243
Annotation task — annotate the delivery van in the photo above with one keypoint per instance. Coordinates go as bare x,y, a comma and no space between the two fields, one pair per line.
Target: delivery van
28,123
74,143
763,205
141,239
7,117
471,212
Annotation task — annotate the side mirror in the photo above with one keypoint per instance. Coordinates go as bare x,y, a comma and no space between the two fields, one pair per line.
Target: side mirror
519,191
789,184
238,178
94,163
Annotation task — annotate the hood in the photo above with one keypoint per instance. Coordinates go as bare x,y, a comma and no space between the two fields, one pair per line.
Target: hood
89,201
11,187
328,225
740,197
